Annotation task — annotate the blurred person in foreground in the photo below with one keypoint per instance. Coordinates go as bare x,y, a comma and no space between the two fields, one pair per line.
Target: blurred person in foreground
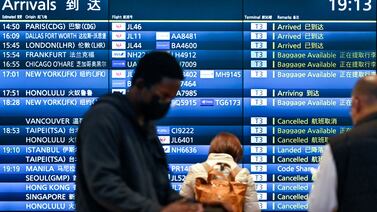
121,164
347,177
225,148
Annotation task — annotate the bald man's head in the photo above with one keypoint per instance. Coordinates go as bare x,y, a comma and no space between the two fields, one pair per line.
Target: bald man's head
364,98
366,86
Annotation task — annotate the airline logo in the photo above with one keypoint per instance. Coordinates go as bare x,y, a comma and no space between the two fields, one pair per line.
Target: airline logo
207,102
163,45
118,83
118,35
162,35
118,54
122,91
118,45
164,139
119,63
163,130
118,26
118,74
166,149
207,74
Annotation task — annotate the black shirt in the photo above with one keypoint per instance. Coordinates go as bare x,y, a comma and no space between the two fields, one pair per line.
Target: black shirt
355,156
121,166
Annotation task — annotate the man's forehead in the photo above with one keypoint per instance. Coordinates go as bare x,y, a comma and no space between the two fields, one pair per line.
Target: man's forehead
168,86
168,82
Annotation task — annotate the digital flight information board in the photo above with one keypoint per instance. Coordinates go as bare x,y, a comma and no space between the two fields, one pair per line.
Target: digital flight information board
278,74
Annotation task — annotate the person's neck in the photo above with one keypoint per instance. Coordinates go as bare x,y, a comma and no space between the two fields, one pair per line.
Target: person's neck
365,114
132,97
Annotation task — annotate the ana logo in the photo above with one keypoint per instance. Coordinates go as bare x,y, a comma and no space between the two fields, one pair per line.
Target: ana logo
118,54
166,149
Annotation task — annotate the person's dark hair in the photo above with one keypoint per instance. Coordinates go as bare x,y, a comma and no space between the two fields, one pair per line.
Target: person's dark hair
156,65
227,143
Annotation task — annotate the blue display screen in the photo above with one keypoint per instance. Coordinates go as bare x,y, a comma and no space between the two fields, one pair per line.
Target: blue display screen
278,74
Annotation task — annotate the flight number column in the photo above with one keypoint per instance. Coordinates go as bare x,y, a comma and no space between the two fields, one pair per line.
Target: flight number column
210,98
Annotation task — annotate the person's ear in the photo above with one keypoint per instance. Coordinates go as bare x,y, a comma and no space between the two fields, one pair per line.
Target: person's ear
139,84
356,104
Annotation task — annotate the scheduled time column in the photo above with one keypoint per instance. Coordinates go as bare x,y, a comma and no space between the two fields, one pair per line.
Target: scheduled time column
53,67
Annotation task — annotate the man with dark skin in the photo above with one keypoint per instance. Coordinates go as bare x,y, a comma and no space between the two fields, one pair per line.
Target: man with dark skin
121,163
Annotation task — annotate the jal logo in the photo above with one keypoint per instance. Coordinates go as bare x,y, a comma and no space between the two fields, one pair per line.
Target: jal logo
118,74
118,26
119,36
164,139
119,45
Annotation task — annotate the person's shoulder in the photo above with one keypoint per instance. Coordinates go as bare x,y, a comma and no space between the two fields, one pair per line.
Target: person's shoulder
104,115
338,138
101,111
196,168
243,170
356,133
102,106
366,129
243,175
105,106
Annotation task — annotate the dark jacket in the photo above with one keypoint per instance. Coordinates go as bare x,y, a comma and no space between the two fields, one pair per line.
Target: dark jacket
355,156
121,166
